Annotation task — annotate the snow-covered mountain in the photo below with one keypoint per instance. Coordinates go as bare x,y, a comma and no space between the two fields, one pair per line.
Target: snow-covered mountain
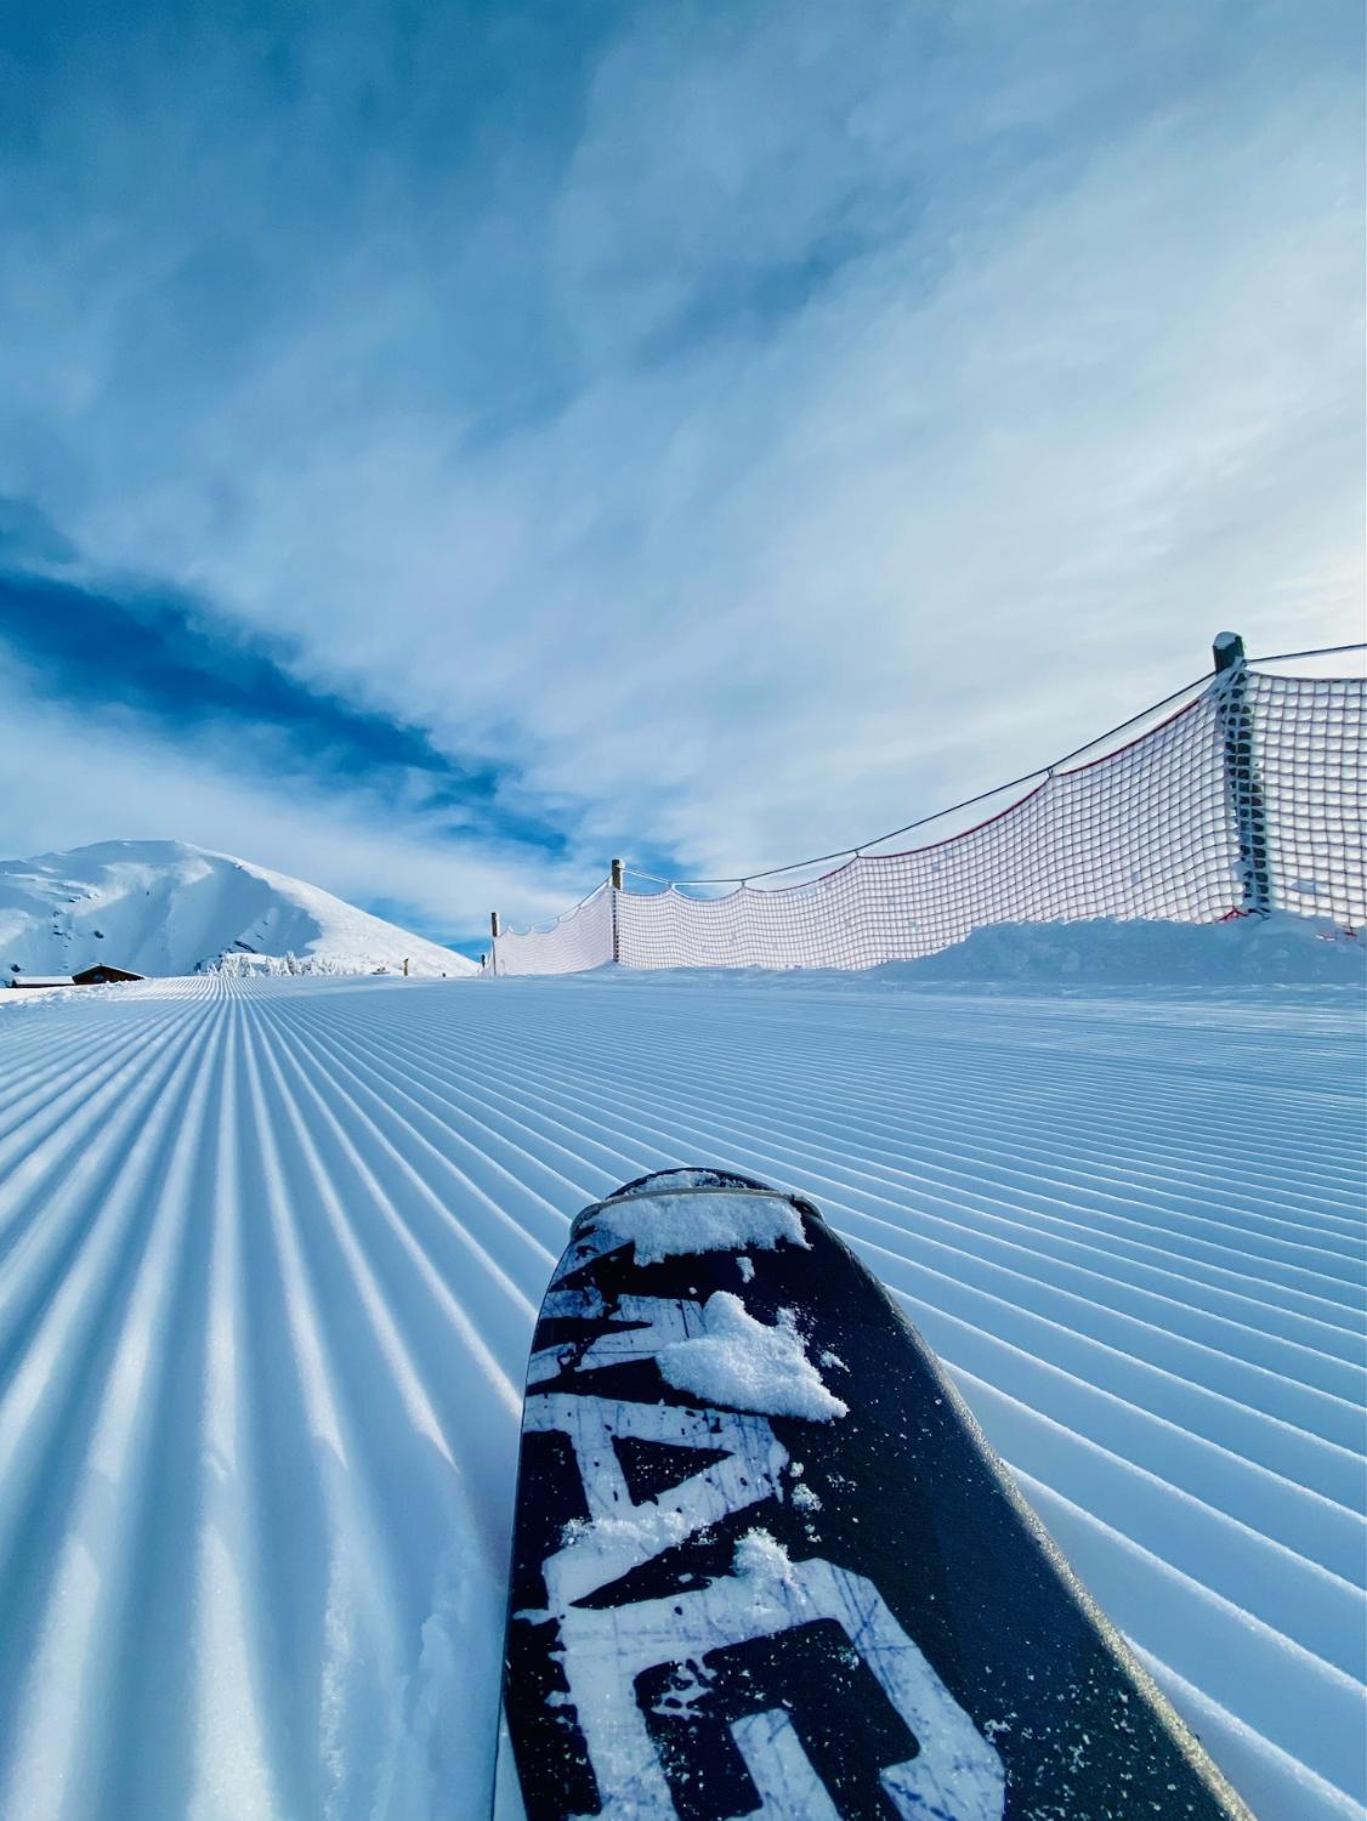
162,907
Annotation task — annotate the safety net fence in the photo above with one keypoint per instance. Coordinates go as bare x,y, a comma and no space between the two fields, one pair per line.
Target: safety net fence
1250,797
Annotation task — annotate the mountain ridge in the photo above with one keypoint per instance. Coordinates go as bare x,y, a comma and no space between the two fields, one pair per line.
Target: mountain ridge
167,908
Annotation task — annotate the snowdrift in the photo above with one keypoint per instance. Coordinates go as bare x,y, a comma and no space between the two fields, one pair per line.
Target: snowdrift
1105,951
162,907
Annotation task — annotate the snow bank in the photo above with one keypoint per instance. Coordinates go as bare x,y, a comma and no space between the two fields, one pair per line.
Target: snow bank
1105,951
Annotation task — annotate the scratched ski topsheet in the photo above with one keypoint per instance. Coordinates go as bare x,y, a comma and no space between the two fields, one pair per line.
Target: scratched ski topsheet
765,1564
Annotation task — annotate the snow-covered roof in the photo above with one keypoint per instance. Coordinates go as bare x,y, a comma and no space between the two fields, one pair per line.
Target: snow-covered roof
42,980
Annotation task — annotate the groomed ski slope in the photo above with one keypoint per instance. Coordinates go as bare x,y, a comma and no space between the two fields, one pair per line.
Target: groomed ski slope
270,1255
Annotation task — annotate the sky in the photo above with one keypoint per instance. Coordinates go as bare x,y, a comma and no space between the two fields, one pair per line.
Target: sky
443,446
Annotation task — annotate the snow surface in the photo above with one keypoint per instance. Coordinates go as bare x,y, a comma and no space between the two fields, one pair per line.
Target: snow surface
682,1223
270,1258
760,1557
1110,951
748,1364
160,907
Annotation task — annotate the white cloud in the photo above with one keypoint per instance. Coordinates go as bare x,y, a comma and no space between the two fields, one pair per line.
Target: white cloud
1077,381
64,782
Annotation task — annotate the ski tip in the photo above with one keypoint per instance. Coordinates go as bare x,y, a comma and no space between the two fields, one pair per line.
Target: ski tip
685,1211
692,1180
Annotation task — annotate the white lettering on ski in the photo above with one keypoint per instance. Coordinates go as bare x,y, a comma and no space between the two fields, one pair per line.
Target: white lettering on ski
957,1774
643,1326
621,1535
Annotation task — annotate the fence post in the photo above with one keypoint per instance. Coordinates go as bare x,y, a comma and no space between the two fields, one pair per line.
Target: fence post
1241,773
493,944
618,884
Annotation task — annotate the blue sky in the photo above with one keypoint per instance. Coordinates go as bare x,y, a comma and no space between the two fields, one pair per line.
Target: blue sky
442,446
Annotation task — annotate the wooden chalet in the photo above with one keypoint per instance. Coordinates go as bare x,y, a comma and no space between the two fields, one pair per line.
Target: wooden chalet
101,974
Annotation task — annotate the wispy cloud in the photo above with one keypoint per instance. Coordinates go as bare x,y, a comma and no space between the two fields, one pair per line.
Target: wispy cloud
736,427
149,662
62,772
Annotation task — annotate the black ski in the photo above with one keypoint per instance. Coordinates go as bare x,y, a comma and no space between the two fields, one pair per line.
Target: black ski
765,1563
